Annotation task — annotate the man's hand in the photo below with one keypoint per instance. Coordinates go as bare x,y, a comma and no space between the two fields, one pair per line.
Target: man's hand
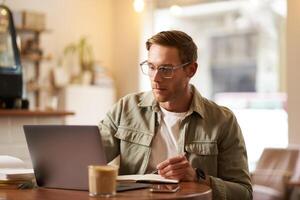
177,167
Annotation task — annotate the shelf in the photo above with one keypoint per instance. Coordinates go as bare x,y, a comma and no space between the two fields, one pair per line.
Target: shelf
33,55
42,113
31,30
36,58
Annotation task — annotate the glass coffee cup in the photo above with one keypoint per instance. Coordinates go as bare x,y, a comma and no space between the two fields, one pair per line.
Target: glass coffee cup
102,180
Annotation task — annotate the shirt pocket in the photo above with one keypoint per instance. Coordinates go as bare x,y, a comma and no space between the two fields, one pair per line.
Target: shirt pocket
202,148
203,155
134,150
134,136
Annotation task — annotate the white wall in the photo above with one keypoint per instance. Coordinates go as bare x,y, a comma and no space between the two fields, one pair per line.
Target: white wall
68,20
126,35
293,70
12,138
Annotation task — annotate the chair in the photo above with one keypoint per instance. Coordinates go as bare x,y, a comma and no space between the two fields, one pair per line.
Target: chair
294,183
273,172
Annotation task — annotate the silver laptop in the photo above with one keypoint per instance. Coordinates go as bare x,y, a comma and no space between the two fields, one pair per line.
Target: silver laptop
61,154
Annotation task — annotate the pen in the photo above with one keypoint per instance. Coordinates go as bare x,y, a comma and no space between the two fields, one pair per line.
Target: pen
156,170
186,155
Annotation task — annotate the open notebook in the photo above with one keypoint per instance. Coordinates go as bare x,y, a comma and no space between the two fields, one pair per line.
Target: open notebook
146,178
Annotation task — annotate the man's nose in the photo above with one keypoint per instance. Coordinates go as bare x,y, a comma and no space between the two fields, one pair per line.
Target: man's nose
156,76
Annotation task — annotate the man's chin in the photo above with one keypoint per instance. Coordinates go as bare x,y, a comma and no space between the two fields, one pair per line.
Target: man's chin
160,98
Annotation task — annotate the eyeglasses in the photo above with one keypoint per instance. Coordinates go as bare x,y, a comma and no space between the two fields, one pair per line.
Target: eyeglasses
166,71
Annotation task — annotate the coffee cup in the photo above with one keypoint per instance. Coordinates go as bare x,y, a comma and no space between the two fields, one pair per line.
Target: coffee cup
102,180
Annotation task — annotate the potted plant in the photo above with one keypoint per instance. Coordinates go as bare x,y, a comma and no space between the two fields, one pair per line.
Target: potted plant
82,52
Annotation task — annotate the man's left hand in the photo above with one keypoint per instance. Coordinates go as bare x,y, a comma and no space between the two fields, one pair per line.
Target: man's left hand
177,167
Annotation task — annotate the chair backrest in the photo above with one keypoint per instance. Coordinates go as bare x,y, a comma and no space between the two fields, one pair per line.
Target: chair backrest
296,175
275,167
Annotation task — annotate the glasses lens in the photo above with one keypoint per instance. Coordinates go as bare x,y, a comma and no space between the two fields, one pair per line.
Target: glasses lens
166,72
145,68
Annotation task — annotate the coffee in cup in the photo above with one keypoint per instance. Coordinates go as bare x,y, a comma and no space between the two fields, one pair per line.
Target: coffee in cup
102,180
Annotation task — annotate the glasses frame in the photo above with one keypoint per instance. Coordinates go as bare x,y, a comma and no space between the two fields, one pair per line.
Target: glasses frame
159,68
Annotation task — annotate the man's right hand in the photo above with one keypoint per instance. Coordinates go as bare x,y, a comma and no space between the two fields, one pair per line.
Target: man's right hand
177,167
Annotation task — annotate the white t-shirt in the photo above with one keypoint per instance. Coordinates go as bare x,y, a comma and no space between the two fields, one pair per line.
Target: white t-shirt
164,144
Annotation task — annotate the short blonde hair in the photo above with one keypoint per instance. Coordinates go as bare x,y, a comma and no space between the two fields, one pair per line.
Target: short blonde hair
183,42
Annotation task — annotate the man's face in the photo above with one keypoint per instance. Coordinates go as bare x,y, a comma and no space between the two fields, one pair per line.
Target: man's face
167,89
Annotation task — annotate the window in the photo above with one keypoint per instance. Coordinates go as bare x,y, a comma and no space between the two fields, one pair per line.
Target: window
240,62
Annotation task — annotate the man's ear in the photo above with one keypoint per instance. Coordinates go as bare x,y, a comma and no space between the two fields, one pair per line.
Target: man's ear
192,69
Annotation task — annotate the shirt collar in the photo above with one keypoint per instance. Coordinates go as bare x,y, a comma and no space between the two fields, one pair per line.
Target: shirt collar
148,101
196,104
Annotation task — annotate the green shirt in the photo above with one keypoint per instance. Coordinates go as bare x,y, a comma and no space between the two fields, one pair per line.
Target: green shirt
209,134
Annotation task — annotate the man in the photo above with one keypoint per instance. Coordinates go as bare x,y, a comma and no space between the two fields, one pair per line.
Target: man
173,129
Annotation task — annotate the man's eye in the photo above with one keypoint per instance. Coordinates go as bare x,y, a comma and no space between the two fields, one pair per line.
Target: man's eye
151,67
165,69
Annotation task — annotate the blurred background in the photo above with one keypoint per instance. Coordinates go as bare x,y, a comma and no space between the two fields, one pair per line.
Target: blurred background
82,56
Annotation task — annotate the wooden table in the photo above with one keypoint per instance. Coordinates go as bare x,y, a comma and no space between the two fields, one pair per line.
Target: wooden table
188,190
